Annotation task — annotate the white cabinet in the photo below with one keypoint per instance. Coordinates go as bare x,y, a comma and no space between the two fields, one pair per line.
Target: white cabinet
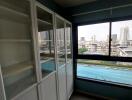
63,57
46,52
17,56
35,51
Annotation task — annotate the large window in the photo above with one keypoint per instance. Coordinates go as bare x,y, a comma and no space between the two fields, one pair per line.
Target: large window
110,41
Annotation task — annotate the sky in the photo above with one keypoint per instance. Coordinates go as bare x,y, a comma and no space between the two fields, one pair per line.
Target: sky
102,30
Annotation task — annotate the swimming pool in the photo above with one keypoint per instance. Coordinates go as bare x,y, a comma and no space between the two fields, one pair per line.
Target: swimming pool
105,73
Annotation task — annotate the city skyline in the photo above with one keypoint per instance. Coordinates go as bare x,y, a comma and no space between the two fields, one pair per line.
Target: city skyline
101,31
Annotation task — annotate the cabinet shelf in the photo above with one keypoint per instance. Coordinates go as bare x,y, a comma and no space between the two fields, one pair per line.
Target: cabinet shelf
62,52
46,40
9,11
44,22
15,40
46,50
16,69
44,25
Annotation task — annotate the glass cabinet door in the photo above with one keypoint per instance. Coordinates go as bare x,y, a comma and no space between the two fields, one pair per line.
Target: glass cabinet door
60,36
68,41
16,46
46,41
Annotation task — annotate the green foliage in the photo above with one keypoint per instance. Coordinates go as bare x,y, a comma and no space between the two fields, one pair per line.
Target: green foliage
82,50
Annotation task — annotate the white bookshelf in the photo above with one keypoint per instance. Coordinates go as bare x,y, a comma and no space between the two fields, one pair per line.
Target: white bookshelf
17,48
23,64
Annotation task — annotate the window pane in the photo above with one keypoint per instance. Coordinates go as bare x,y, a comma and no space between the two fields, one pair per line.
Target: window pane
46,41
93,39
60,35
121,38
112,71
68,42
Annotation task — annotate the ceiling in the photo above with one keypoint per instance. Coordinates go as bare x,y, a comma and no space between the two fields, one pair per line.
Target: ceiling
71,3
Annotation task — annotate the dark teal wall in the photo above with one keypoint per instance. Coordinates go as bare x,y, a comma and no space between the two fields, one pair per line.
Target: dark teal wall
100,4
56,8
114,92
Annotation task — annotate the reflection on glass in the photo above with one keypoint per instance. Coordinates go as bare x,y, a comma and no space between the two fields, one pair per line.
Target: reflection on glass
46,41
121,44
93,39
16,46
111,71
60,34
68,40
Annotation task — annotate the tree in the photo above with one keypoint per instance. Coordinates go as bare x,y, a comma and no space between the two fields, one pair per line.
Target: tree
82,50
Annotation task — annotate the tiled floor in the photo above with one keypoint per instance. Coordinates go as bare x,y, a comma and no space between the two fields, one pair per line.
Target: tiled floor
80,96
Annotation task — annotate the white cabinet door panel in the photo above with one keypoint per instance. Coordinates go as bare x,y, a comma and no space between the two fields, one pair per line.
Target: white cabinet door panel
29,95
48,88
62,83
69,79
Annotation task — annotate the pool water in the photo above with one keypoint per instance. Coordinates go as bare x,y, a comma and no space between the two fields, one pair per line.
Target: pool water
49,65
105,73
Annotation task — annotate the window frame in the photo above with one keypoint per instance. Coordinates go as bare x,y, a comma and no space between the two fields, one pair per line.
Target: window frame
77,56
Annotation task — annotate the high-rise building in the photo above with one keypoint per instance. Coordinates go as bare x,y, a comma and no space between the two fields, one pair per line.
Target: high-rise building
93,39
124,33
114,38
82,38
82,42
